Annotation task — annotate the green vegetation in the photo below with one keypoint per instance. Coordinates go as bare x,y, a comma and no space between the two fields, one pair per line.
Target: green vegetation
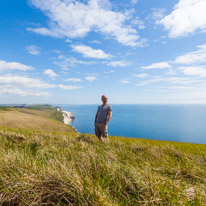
3,108
44,162
59,168
40,106
48,119
45,110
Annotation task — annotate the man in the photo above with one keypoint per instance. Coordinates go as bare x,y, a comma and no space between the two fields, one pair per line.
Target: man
103,115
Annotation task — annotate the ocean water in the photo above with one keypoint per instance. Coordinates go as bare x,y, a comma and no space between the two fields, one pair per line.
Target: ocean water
180,123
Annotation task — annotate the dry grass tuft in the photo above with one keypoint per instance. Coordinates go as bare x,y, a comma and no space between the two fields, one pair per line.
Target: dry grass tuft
85,138
12,136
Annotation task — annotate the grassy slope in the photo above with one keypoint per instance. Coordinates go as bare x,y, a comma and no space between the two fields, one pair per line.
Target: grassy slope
45,110
53,168
46,119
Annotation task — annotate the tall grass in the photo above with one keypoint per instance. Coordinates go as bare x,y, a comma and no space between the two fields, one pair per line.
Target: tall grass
54,168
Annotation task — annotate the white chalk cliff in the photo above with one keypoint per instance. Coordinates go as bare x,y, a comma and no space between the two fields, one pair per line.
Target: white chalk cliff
68,116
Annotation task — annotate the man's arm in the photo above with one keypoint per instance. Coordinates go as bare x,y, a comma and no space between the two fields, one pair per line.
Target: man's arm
109,117
96,115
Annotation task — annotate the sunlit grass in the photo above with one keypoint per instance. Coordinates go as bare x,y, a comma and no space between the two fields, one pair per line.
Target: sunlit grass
33,119
58,168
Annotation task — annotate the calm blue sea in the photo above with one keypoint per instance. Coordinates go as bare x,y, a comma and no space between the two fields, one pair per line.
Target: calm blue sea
181,123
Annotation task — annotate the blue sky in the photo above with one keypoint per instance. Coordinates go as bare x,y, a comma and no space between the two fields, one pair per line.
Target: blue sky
72,52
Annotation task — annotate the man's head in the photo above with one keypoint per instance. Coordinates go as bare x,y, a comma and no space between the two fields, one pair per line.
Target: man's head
104,99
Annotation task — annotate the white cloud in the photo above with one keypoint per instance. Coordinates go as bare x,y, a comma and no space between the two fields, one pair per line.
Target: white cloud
68,40
23,86
162,39
87,51
23,93
67,61
171,72
13,66
96,42
121,63
74,19
198,56
34,50
109,72
69,87
24,82
194,71
142,75
133,1
137,21
125,81
56,51
157,13
187,17
90,78
170,80
73,80
181,87
159,65
50,73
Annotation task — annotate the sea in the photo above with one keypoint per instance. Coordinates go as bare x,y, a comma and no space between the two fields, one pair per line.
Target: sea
179,123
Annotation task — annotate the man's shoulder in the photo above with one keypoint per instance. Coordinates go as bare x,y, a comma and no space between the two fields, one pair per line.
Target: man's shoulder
109,107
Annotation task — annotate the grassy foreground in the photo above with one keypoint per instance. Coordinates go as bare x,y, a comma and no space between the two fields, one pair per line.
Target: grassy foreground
58,168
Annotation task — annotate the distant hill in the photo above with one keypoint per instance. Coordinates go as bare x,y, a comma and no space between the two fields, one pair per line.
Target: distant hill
41,119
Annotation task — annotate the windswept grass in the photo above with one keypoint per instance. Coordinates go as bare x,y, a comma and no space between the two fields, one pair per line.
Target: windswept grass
55,168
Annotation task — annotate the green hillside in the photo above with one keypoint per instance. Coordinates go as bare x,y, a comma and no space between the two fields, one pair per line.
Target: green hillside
59,168
40,119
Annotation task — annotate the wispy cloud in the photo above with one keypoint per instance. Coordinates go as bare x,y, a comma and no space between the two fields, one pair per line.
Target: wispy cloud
142,75
66,61
25,82
96,42
23,86
198,56
137,21
125,81
186,18
90,78
73,19
89,52
69,87
56,51
134,1
170,80
22,93
13,66
188,61
194,70
122,63
73,80
32,49
159,65
50,73
157,13
109,72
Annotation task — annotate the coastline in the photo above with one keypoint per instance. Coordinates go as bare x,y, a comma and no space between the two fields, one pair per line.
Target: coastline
67,118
